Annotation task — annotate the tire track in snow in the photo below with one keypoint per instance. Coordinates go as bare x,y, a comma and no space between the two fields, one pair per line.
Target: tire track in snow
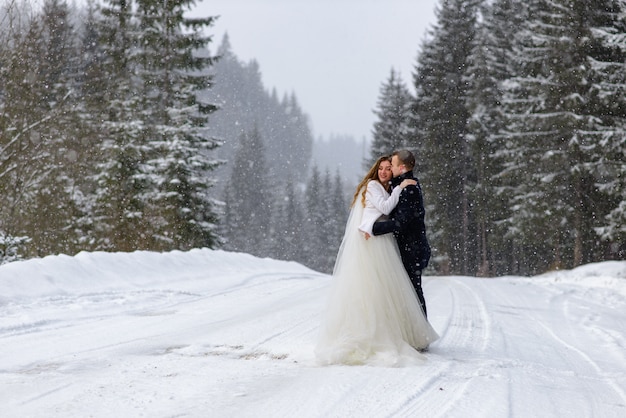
469,327
573,355
422,392
51,313
303,323
287,307
590,384
254,281
564,358
77,311
466,334
421,382
611,332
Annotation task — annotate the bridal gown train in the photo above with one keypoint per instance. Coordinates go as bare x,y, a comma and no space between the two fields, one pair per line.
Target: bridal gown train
373,315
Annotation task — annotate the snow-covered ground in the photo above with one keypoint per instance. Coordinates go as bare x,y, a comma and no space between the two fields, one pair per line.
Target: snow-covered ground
215,334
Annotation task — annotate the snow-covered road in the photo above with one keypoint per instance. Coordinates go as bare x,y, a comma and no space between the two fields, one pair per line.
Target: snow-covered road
216,334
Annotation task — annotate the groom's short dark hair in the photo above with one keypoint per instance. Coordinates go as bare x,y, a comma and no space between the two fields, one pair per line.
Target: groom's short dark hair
406,157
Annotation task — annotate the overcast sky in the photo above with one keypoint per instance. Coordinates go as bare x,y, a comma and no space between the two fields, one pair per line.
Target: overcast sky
334,54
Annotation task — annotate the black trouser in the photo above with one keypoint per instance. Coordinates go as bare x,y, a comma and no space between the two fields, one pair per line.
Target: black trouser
415,274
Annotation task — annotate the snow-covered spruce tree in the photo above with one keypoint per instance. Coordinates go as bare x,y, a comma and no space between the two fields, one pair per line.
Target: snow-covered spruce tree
113,99
394,115
488,66
250,199
608,66
315,218
83,151
558,121
237,92
288,236
292,142
442,115
11,248
179,213
337,215
227,220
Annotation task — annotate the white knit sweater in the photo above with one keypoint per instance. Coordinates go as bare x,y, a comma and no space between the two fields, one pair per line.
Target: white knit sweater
377,203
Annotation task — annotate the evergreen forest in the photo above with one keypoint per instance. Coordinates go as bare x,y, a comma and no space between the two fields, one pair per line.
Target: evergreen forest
124,127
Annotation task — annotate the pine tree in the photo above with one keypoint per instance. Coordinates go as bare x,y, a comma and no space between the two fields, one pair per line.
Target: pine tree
557,123
337,216
249,200
394,115
228,219
235,92
607,66
141,77
292,142
114,103
175,124
11,248
488,67
288,227
316,243
442,116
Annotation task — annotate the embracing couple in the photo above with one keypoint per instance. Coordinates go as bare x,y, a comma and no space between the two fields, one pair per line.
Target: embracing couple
376,312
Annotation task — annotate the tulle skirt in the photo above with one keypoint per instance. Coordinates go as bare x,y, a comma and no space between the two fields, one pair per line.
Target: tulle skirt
373,315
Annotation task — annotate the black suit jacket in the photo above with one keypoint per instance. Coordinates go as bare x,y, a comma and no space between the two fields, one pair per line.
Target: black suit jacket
406,222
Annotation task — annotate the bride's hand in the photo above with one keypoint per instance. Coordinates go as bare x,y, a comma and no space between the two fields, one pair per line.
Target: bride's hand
407,182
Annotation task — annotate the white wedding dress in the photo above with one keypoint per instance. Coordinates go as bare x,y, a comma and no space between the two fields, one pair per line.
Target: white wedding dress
373,315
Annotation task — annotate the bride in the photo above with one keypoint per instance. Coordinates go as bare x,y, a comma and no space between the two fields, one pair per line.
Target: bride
373,315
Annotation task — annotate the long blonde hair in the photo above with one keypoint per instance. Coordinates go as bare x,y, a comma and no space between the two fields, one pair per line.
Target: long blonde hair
372,174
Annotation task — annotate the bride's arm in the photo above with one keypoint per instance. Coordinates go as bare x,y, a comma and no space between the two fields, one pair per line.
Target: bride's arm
381,200
382,203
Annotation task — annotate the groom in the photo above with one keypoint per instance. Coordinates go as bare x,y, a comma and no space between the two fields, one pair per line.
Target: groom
406,222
